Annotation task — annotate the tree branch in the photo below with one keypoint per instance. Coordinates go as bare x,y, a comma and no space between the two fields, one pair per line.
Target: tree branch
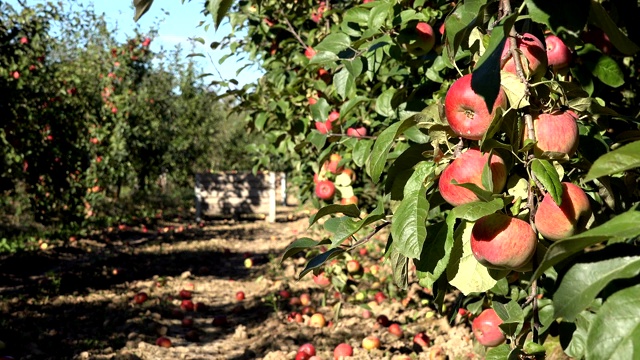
293,31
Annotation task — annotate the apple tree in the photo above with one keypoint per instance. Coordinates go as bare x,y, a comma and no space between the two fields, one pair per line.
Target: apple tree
501,149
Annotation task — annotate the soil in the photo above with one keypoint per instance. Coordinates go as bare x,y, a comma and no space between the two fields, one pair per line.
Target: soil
76,301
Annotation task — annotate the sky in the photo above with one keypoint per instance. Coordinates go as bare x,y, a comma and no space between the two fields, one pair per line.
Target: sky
177,24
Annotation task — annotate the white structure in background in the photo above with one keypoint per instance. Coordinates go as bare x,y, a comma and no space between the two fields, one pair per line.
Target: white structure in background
234,193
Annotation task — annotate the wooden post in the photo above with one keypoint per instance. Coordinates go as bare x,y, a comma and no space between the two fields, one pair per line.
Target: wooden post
283,188
272,197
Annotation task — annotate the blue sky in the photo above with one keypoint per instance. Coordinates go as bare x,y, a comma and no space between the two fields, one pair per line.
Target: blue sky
177,23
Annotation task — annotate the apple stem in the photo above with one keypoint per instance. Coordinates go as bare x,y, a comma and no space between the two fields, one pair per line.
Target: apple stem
293,31
368,237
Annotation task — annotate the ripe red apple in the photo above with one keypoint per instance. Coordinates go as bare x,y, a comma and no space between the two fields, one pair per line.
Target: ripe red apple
185,294
305,299
557,132
163,342
421,339
295,317
353,266
357,132
325,189
342,350
317,320
366,314
307,348
302,356
192,336
240,296
383,320
466,111
312,100
599,39
285,294
558,54
467,168
140,297
322,280
503,242
425,34
370,342
379,297
309,52
558,222
323,127
486,328
333,116
395,329
187,305
24,40
533,51
187,322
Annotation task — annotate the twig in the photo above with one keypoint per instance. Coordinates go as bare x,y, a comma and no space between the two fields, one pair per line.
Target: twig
368,237
355,137
293,31
513,48
531,132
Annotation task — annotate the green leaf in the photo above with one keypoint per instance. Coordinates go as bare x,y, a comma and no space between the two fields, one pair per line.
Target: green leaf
578,344
346,108
615,332
481,193
379,14
319,260
409,229
218,9
486,177
400,266
473,211
141,6
514,89
344,227
384,142
300,245
619,160
354,66
361,151
464,271
383,103
435,255
548,177
601,19
349,210
500,352
334,42
512,317
317,139
605,69
623,226
320,110
583,282
459,23
343,82
323,58
566,15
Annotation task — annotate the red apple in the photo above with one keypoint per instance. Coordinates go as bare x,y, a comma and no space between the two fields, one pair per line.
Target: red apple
503,242
323,127
240,296
557,132
192,336
295,317
599,39
353,266
467,168
163,342
325,189
187,305
312,100
466,111
363,252
140,297
317,320
302,356
379,297
357,132
305,299
322,280
285,294
421,339
425,34
309,52
486,328
558,222
383,320
187,322
395,329
24,40
370,342
366,314
558,54
342,350
534,52
185,294
307,348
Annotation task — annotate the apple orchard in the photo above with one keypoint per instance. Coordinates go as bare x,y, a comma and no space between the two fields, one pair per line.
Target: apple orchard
495,143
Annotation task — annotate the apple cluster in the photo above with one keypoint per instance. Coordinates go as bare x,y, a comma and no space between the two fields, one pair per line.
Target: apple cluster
325,188
502,241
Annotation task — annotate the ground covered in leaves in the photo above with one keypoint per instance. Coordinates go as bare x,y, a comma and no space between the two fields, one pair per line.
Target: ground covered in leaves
77,301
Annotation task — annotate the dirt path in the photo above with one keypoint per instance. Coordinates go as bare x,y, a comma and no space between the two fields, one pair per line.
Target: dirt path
77,302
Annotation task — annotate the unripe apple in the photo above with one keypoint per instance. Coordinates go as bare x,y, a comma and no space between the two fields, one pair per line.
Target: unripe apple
342,350
486,328
558,222
466,111
557,132
533,50
357,132
350,200
325,189
499,241
370,342
309,52
558,54
467,168
317,320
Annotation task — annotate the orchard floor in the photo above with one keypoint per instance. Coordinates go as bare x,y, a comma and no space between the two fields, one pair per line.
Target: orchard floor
75,302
